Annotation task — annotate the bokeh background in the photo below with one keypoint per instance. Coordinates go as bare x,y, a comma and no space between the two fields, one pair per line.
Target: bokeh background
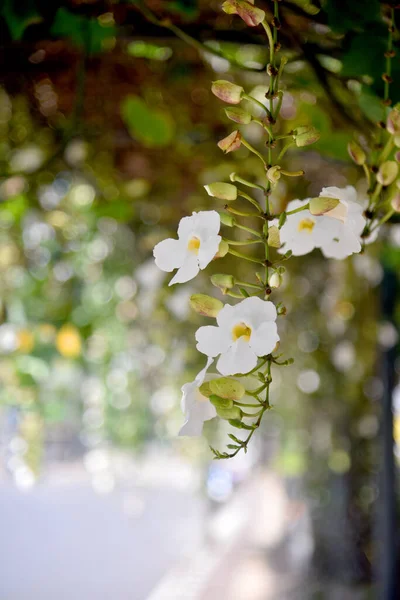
108,133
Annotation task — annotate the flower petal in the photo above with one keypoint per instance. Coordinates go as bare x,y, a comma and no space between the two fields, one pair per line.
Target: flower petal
264,339
208,249
256,311
188,270
212,340
169,254
239,358
186,227
208,223
200,412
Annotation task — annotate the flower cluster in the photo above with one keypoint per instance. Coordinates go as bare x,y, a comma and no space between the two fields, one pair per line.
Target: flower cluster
244,340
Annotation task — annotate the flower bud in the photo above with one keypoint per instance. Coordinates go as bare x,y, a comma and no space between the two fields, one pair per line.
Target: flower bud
205,305
223,249
305,136
396,203
388,172
246,10
222,191
225,387
274,174
224,403
227,91
396,140
205,389
223,282
230,413
238,115
321,205
226,219
282,220
231,142
397,156
356,153
275,280
273,237
393,121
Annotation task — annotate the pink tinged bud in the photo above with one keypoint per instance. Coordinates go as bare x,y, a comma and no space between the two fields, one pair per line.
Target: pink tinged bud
396,203
356,153
227,92
250,14
231,142
305,136
238,115
393,122
397,156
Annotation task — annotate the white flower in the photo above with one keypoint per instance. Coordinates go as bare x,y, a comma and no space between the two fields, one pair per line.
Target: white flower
337,232
196,407
244,332
196,247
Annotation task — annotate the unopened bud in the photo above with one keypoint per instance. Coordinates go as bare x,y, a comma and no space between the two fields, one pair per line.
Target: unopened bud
273,237
396,140
231,142
238,115
356,153
233,413
222,191
275,280
396,203
205,305
225,387
223,249
387,173
227,91
274,174
397,156
223,282
250,14
321,205
282,220
227,219
221,403
305,136
393,121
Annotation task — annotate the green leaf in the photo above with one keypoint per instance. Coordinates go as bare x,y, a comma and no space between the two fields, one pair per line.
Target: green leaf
152,127
82,31
19,15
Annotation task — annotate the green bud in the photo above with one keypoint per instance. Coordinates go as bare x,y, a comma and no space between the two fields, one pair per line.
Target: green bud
224,403
274,174
231,142
226,219
273,237
227,91
246,10
222,191
227,388
205,389
223,249
305,136
223,282
393,121
205,305
396,140
238,115
230,413
321,205
275,280
282,220
356,153
388,172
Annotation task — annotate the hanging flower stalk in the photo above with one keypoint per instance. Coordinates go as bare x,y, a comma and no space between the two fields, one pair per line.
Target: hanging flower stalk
381,162
243,342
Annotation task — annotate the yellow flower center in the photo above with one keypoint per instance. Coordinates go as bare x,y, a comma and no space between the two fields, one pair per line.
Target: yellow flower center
241,330
194,245
306,225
